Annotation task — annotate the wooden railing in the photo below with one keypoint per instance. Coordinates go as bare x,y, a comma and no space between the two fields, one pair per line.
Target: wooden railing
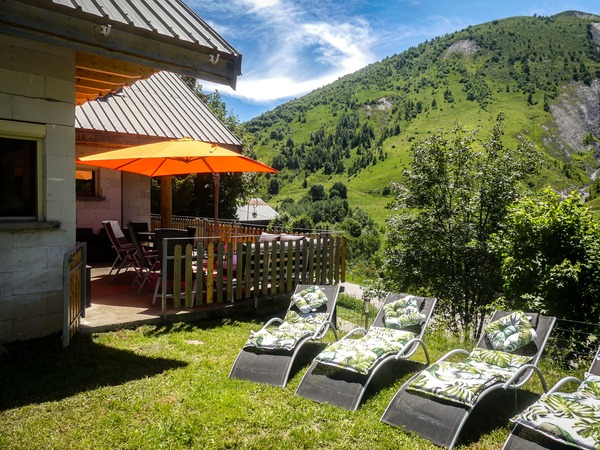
216,270
228,232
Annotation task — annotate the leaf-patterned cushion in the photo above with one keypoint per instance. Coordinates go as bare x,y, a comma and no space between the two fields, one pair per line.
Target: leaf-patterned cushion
309,299
294,327
361,355
590,386
571,418
402,313
510,332
464,381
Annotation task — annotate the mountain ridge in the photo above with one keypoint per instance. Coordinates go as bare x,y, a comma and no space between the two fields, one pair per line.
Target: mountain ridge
542,72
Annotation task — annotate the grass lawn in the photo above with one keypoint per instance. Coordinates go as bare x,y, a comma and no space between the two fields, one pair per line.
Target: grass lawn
168,387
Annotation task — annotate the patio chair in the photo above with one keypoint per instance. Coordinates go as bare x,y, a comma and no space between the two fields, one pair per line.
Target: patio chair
146,261
269,354
436,402
560,420
173,237
142,233
125,249
341,373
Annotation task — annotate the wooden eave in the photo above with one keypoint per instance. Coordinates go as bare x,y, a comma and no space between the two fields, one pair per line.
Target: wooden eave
113,141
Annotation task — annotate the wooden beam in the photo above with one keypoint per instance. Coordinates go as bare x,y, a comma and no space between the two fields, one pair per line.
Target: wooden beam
81,98
166,201
112,139
108,66
87,74
91,91
94,84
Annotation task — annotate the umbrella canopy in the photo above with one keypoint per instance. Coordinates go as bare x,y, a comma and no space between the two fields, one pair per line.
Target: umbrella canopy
177,157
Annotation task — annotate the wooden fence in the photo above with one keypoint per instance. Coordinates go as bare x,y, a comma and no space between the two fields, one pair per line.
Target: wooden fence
211,271
228,232
74,290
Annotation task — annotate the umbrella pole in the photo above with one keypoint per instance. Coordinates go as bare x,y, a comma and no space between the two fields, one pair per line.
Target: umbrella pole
217,180
166,201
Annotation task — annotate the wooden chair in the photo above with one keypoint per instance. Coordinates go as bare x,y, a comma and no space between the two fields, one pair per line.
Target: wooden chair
125,249
146,261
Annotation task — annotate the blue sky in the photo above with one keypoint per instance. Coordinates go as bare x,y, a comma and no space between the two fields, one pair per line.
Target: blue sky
292,47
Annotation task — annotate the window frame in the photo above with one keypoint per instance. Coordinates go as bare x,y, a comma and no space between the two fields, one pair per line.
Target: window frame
28,132
96,177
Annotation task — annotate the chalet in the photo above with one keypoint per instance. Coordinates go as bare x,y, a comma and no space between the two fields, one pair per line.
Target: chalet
56,55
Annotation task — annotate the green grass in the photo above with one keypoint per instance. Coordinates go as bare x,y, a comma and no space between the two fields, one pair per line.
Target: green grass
352,309
168,387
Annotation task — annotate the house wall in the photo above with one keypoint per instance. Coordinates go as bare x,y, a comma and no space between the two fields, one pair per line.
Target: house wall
37,85
122,196
136,198
107,206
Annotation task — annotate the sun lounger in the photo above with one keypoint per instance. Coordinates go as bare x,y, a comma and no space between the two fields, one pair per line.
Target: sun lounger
560,420
340,375
436,402
269,354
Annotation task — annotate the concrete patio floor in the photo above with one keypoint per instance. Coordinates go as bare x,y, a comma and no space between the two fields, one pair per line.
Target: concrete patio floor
116,305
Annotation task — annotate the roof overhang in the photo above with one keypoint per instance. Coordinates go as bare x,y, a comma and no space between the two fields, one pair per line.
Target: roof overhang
112,54
113,141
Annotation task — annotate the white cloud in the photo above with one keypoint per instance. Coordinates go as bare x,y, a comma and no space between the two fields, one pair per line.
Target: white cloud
289,51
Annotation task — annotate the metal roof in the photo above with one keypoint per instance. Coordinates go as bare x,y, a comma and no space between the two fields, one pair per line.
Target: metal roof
256,210
160,106
171,18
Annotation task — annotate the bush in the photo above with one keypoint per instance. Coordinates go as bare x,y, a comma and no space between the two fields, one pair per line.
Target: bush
550,257
302,222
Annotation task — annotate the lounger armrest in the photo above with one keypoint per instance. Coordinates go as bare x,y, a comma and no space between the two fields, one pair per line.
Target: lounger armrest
512,381
353,332
458,351
560,383
408,346
272,321
322,330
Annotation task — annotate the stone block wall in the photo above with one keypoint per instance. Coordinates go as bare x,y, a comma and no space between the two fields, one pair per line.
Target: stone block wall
37,86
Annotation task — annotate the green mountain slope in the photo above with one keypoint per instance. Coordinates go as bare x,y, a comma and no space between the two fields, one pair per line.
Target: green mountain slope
543,72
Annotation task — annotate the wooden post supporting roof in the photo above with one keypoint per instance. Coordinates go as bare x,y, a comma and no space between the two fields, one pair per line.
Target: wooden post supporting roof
166,201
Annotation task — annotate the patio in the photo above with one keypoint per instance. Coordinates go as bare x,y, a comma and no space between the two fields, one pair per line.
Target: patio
259,284
116,305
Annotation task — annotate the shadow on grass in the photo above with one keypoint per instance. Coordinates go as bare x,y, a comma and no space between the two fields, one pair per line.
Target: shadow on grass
41,370
389,374
495,411
209,324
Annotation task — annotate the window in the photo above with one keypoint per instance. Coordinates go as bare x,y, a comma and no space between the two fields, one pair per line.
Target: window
86,182
20,156
18,178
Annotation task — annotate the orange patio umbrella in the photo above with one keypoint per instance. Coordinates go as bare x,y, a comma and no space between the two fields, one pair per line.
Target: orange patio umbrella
178,157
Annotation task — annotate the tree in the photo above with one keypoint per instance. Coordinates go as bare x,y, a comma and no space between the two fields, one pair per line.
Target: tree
454,198
338,190
302,222
316,192
273,187
352,226
550,257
